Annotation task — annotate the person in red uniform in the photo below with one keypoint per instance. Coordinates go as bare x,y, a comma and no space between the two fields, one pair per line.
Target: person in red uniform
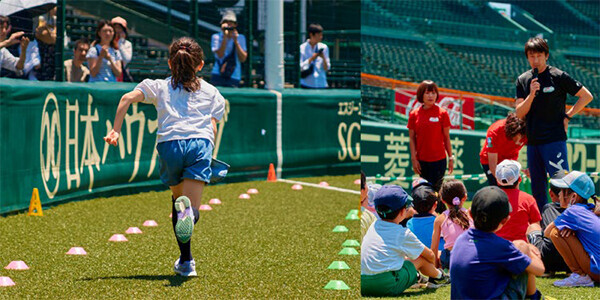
429,131
504,140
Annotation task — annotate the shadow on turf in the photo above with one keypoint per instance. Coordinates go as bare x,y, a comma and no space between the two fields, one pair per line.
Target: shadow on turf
174,280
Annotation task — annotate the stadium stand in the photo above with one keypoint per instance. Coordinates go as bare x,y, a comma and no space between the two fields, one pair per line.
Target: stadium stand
460,46
342,35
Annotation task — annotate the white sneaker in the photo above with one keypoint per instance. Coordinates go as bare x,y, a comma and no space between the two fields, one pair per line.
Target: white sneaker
187,269
575,280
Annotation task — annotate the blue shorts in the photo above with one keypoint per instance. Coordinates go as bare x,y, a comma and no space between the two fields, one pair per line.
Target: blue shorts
180,159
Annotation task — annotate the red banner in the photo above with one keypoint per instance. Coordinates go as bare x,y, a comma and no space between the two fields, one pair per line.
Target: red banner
406,100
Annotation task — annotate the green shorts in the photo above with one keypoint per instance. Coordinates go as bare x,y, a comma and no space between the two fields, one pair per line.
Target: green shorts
391,283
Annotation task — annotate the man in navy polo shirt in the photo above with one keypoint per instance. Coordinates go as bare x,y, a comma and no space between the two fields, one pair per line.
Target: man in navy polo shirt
541,99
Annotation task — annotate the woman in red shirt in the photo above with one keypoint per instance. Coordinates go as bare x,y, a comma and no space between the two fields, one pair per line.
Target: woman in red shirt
504,140
429,131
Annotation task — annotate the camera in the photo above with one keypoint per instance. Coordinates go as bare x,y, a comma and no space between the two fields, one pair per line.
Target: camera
320,50
228,28
29,35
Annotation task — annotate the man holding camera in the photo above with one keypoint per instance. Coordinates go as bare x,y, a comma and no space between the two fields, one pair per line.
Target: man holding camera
230,51
7,60
314,60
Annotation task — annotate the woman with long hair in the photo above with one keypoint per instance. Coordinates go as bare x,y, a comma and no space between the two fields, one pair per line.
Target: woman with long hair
104,59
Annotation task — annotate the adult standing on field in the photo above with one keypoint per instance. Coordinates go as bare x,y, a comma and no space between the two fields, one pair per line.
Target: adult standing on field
541,99
503,140
429,131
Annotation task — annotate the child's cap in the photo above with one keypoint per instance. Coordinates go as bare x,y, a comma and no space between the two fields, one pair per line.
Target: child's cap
421,193
373,188
560,174
508,172
393,197
490,205
419,182
579,182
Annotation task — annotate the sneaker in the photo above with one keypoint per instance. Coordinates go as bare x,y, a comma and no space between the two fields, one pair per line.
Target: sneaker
187,269
575,280
435,283
421,281
185,219
536,296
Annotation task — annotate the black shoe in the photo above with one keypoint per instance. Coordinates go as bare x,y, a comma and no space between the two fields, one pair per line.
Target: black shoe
536,296
438,282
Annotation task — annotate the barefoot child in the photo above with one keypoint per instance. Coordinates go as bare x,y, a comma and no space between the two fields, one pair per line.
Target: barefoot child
188,110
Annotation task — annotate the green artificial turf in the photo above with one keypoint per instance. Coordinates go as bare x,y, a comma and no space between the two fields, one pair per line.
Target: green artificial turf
278,244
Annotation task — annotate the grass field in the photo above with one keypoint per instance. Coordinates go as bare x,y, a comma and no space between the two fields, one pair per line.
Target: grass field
276,245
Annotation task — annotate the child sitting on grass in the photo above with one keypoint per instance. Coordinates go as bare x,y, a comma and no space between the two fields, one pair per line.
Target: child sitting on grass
384,269
486,266
576,232
452,222
425,201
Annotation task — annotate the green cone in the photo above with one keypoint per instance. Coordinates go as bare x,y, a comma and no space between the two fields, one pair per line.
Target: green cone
353,212
348,251
352,217
336,285
338,265
351,243
340,228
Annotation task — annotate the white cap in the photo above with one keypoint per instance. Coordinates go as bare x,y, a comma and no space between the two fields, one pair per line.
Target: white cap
508,172
373,188
229,15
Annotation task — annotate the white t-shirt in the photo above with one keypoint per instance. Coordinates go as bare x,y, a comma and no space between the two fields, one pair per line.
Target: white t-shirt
8,61
183,115
318,78
384,247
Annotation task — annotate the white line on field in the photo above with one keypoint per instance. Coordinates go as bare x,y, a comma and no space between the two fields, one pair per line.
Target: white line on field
333,188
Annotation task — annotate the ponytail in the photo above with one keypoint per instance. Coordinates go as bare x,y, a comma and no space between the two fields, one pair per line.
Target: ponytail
453,191
185,55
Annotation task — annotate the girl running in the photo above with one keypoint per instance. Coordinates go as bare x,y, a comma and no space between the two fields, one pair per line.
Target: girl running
452,222
188,111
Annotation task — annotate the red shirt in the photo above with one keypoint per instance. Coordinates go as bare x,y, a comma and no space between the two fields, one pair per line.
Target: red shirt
524,212
497,142
428,125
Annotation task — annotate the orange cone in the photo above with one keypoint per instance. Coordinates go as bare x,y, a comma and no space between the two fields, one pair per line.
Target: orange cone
272,177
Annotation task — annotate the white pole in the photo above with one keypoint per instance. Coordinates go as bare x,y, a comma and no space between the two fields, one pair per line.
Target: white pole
303,19
274,66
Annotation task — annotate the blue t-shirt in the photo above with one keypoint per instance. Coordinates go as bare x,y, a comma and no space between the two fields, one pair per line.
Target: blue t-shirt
216,40
586,225
482,263
422,227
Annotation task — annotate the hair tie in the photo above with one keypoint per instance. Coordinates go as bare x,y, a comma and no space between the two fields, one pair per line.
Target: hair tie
456,201
184,48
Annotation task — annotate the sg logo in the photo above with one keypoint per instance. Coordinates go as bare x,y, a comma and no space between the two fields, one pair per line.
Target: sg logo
345,137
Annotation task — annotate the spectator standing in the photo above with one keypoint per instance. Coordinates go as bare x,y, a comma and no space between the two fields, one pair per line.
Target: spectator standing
229,48
125,46
75,71
104,59
7,60
45,34
314,60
